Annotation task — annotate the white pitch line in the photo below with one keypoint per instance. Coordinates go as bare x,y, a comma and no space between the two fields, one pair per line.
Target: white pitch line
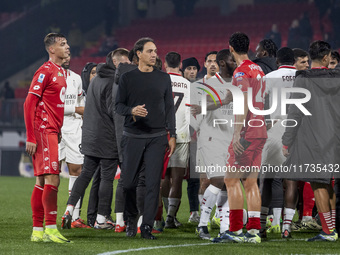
152,248
183,245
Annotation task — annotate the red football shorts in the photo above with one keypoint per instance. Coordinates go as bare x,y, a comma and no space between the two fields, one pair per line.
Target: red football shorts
45,159
252,156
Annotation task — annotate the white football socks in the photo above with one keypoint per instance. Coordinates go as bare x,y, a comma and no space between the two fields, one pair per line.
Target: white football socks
120,219
208,202
76,210
223,208
277,216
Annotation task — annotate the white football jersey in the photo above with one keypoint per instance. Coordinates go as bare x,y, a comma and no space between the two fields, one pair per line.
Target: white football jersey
181,92
283,77
224,132
73,98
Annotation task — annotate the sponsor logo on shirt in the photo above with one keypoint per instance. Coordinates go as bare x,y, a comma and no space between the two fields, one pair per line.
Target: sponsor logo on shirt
239,74
54,78
62,94
41,77
36,87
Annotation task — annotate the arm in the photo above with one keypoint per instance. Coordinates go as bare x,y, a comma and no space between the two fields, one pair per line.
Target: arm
170,118
225,101
30,105
80,110
238,148
121,98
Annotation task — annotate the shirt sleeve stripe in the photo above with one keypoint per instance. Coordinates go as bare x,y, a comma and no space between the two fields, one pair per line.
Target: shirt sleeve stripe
34,94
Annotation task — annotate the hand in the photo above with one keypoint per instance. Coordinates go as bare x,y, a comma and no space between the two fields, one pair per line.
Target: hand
172,145
59,137
285,152
139,110
228,98
195,109
237,147
31,148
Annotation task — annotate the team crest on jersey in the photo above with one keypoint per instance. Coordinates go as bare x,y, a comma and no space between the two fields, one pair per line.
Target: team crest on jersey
55,165
41,77
60,74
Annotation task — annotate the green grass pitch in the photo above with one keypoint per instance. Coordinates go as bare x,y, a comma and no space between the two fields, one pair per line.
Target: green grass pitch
16,222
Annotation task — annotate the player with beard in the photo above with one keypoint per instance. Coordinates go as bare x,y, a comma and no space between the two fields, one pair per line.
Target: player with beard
212,145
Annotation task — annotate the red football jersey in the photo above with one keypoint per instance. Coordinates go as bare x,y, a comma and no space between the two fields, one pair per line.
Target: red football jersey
248,74
49,83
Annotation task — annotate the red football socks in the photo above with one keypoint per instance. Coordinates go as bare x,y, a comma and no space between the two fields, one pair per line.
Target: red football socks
37,206
308,200
236,220
49,200
326,222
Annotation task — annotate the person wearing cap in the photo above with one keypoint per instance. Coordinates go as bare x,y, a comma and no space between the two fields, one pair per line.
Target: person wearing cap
190,68
87,74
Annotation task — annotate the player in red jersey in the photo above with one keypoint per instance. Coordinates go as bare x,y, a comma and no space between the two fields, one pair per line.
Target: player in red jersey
249,130
44,113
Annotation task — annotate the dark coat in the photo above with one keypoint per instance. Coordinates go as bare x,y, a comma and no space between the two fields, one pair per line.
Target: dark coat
316,138
268,64
98,137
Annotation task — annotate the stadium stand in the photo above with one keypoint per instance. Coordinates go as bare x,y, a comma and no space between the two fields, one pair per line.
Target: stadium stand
199,34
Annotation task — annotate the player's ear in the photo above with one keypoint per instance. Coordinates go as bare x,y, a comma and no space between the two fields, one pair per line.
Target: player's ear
231,49
325,60
180,66
51,49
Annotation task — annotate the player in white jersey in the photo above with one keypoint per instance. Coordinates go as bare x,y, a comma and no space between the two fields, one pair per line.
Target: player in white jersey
179,160
70,144
213,142
272,155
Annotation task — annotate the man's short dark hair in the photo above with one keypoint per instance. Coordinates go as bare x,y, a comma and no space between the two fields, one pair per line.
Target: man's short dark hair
269,46
240,42
300,53
214,52
131,55
319,49
222,55
139,45
173,59
285,56
335,54
120,52
50,39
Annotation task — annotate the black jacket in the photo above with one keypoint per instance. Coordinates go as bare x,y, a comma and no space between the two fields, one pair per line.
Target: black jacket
98,138
316,138
119,119
268,64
